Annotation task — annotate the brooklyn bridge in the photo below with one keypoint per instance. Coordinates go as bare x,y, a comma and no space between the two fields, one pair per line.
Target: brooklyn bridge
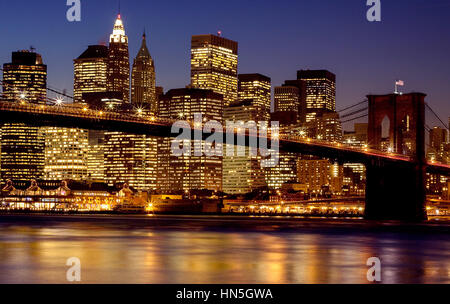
395,188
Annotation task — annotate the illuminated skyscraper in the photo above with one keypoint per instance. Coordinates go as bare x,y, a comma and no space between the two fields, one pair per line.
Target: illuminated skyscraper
66,153
283,172
319,173
143,79
326,126
189,172
131,159
214,65
256,87
90,71
320,92
22,145
25,78
22,157
242,174
287,99
96,156
118,74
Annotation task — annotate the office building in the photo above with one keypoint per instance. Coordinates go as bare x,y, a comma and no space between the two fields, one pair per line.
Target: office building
189,172
118,72
242,173
22,145
214,65
256,87
320,92
143,91
66,154
90,70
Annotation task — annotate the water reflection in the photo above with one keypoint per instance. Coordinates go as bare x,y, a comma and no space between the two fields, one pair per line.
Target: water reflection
116,253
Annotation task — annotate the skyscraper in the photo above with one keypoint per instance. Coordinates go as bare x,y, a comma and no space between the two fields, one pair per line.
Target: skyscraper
242,174
25,78
22,145
90,70
214,65
287,99
131,159
118,74
320,92
66,153
189,172
143,79
96,156
256,87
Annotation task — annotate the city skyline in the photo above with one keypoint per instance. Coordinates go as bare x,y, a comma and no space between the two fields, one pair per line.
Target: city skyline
262,51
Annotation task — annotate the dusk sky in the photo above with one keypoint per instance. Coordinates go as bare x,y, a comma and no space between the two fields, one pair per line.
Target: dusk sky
276,38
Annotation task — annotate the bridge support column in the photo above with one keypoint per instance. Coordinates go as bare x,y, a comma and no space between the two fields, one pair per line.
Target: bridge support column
395,191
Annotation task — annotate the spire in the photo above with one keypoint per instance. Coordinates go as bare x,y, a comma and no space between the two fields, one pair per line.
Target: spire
118,34
143,51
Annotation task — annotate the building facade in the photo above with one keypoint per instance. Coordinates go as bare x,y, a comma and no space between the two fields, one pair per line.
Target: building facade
66,154
143,90
118,72
242,173
90,71
189,171
256,87
22,145
320,92
214,65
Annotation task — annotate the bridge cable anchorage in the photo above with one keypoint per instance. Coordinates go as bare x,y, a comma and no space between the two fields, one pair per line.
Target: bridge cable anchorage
353,106
437,116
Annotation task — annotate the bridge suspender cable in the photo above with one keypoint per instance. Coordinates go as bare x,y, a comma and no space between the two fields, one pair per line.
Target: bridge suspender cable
354,113
437,116
351,107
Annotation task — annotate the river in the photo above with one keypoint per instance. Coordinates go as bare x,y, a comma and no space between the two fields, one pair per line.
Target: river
201,249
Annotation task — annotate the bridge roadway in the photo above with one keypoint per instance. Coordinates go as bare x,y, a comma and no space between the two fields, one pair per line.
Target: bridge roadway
79,117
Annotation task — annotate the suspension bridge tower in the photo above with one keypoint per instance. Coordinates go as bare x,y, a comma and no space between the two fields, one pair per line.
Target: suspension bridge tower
396,188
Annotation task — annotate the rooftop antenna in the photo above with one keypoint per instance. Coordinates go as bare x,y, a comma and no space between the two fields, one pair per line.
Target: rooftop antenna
219,33
32,48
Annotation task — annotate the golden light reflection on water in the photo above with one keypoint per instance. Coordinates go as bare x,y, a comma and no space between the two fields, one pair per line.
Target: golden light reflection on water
38,255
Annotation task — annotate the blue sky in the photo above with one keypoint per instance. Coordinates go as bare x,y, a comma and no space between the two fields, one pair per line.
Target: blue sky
276,38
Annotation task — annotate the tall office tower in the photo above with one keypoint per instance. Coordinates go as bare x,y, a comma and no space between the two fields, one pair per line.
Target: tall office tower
96,156
214,65
143,79
66,154
301,85
118,73
287,99
438,136
90,71
131,159
189,172
284,172
22,157
320,173
320,92
326,126
22,146
437,148
242,174
256,87
25,78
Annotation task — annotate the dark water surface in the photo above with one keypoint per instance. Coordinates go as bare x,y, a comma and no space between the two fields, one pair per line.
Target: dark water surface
199,249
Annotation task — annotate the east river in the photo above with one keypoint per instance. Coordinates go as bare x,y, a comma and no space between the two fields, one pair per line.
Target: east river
200,249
